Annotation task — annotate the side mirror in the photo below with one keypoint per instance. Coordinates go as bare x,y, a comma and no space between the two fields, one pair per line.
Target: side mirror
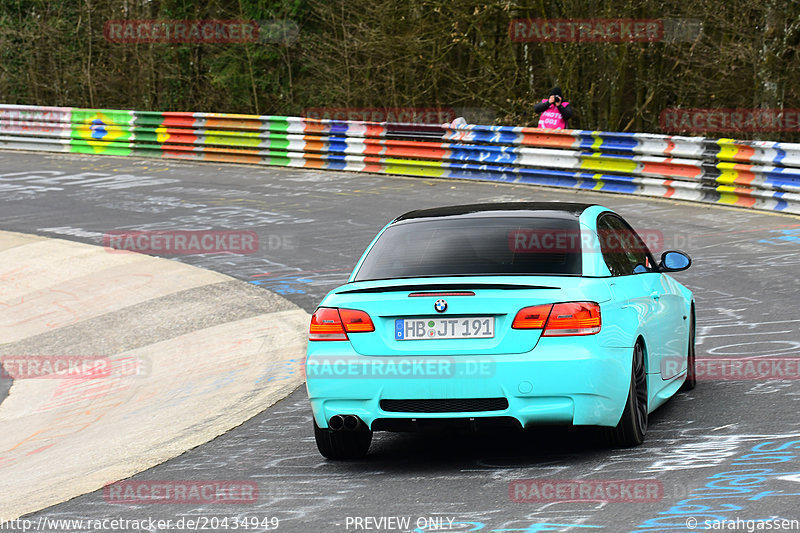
674,261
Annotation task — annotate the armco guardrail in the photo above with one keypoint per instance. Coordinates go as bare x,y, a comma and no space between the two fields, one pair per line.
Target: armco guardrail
756,174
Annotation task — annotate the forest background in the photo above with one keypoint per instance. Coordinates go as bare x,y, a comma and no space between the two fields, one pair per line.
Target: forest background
458,55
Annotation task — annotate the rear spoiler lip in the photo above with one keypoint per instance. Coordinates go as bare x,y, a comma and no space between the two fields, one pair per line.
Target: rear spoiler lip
444,287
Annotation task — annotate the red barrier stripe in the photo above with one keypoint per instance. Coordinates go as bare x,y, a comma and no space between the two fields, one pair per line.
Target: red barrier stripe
372,148
744,153
312,126
233,124
554,141
315,146
672,169
375,131
746,200
178,147
745,175
179,119
178,137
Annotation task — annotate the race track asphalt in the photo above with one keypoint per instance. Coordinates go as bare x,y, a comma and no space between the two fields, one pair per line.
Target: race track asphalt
727,450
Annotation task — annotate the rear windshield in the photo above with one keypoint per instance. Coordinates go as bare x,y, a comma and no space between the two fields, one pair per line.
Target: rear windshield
475,246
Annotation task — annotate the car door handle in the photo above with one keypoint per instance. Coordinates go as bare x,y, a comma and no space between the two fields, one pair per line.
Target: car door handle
654,295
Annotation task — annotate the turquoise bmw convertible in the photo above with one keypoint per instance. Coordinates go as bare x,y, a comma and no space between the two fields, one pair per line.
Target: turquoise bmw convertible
494,315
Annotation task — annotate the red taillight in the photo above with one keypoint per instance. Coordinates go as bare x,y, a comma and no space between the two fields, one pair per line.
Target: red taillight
330,324
573,318
560,320
533,317
326,325
356,321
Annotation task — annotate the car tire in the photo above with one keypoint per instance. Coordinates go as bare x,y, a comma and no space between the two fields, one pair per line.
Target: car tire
340,445
632,426
691,376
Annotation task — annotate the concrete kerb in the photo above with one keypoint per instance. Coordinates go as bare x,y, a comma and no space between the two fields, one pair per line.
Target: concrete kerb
63,437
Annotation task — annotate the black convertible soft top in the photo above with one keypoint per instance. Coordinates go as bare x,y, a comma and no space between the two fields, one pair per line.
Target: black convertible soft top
554,209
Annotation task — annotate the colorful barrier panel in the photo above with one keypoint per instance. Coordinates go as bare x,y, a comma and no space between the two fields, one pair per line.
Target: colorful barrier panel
755,174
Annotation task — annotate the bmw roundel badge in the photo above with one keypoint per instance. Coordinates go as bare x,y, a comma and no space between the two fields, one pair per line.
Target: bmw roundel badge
440,306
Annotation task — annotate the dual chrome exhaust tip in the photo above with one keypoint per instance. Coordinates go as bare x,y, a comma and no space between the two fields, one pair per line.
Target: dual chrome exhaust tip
345,422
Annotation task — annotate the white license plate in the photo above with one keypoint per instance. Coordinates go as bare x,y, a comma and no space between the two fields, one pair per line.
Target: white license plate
475,327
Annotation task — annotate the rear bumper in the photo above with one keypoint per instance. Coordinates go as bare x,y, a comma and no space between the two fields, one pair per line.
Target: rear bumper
560,382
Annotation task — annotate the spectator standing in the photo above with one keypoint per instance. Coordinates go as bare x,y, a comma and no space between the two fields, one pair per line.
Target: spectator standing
554,111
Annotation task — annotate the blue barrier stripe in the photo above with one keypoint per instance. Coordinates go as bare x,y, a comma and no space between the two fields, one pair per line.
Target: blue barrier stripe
336,145
780,155
619,146
607,155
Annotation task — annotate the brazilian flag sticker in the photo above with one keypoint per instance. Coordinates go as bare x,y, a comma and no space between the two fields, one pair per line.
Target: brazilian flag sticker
101,131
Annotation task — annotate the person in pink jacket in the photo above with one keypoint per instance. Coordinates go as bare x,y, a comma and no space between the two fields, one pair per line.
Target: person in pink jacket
554,111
